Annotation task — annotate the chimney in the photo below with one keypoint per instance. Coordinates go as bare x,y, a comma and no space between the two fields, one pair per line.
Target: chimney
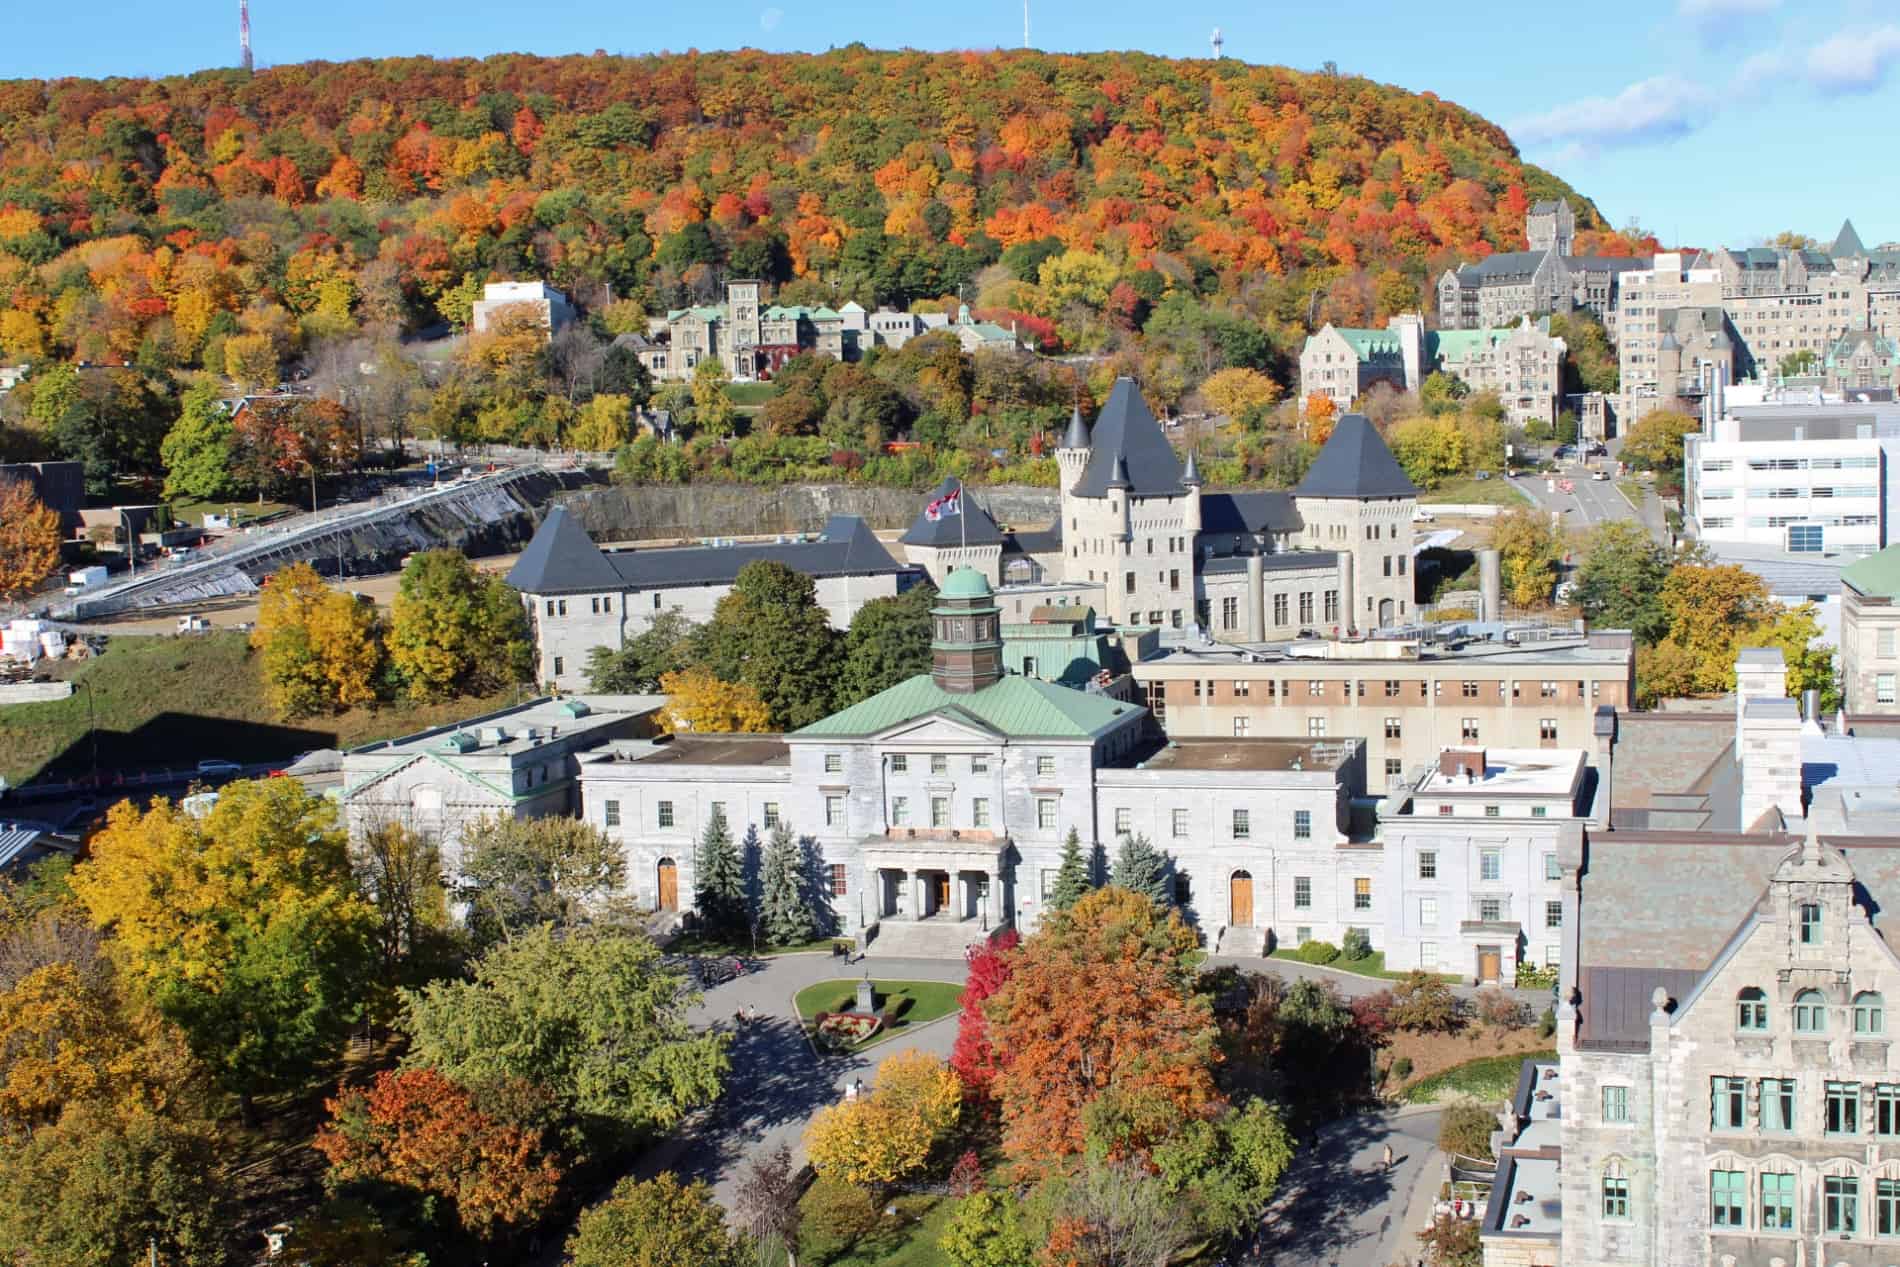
1468,762
1603,729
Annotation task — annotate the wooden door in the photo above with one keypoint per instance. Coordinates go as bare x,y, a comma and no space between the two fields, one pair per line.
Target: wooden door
943,891
1490,963
669,885
1240,900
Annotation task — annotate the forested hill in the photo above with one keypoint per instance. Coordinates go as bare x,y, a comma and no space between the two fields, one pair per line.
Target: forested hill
134,212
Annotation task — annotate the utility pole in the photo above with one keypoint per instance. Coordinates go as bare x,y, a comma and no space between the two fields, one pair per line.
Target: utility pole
1025,23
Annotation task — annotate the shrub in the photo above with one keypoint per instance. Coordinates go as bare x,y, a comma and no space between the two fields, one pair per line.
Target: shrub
1317,952
1372,1013
1424,1004
1355,945
1547,1023
1401,1068
1532,977
1466,1129
1452,1242
1500,1009
837,1215
966,1176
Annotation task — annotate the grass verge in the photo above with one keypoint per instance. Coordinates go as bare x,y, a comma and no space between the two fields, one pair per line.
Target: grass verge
906,1237
1468,491
1486,1078
158,701
916,1002
1372,965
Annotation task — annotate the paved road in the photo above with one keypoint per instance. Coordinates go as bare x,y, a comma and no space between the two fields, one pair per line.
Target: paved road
1338,1205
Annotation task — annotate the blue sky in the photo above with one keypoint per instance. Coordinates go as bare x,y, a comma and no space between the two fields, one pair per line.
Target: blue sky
1707,120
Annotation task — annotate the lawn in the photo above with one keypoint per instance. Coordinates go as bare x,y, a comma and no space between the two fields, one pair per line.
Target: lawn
750,395
161,700
1373,965
1487,1078
191,510
917,1002
907,1238
1467,491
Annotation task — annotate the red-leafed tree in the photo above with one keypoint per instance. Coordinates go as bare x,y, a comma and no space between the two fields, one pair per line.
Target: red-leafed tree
417,1129
973,1058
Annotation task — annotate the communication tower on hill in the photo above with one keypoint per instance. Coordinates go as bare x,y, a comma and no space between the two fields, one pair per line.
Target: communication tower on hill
244,33
1217,43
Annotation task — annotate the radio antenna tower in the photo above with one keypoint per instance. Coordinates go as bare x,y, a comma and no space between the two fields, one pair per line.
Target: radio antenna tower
244,33
1025,23
1217,43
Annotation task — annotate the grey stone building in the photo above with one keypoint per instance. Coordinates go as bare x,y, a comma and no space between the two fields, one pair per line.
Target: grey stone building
1503,289
1870,635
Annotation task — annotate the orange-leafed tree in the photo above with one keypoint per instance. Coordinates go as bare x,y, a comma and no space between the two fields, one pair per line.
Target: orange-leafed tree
1099,1020
417,1129
29,539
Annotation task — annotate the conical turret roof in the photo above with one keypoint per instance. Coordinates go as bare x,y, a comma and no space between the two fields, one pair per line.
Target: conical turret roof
1077,436
562,558
1355,463
1127,438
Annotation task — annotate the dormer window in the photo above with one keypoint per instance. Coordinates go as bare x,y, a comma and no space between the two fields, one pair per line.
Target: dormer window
1810,923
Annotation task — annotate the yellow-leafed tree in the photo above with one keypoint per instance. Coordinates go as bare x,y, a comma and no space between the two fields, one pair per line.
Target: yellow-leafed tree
454,630
698,701
605,423
29,539
1237,390
318,645
889,1133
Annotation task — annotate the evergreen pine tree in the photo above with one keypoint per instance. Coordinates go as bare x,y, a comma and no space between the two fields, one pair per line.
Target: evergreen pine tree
1141,868
1073,880
783,911
719,878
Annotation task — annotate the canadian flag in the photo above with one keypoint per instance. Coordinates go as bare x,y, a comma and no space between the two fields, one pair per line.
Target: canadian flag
951,503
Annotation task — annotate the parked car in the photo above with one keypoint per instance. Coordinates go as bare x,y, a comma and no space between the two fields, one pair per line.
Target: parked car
219,766
1599,475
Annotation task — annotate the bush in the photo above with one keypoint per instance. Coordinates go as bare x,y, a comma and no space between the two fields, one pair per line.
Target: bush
1355,945
1317,952
837,1216
1532,977
1401,1069
1424,1004
1466,1129
1500,1009
1547,1023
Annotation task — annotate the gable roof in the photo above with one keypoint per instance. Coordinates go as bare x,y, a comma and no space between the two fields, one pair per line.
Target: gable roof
1018,707
1126,432
562,557
1877,575
1248,512
973,527
1847,242
1355,463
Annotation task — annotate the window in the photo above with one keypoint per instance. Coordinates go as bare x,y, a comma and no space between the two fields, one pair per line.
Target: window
900,810
1886,1109
1393,728
666,814
612,818
771,813
1393,767
1728,1197
900,763
834,811
1315,688
1391,692
1547,730
1843,1108
1444,810
939,811
1179,819
1045,814
1316,728
1428,955
1306,607
1242,690
559,661
1887,1207
1728,1101
1540,811
1302,892
1810,924
1302,824
1840,1204
1242,829
1045,767
1240,727
1124,821
1616,1104
834,763
939,763
1428,912
1869,1014
1553,915
1302,934
1777,1203
1883,642
1362,893
1279,609
980,812
1777,1104
980,763
1428,864
1616,1193
1490,865
1810,1013
1468,690
1884,688
1490,811
1751,1008
837,879
1551,870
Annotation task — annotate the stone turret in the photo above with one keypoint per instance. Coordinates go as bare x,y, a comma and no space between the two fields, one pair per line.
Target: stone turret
1072,456
1191,480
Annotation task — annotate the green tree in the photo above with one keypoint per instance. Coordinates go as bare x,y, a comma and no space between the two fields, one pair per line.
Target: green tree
1224,1171
770,633
1589,360
1141,868
713,410
1073,877
987,1231
197,450
657,1223
784,912
664,646
244,925
889,642
1442,393
1810,661
719,877
525,872
591,1016
1620,583
1797,363
1655,443
455,630
1529,550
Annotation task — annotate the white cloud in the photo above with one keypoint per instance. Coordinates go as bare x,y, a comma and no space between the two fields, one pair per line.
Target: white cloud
1854,62
1701,10
1761,73
1661,108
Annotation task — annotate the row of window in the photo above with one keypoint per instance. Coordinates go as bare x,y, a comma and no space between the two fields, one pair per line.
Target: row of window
1446,809
1490,865
1320,688
1774,1206
1810,1012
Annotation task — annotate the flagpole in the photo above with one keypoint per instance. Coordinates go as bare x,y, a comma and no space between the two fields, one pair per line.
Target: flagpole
963,523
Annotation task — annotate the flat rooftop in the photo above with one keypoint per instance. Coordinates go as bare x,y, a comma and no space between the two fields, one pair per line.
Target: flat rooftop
550,719
1530,771
716,750
1527,1199
1239,754
1363,656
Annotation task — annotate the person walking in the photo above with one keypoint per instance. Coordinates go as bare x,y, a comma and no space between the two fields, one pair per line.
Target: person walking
1388,1157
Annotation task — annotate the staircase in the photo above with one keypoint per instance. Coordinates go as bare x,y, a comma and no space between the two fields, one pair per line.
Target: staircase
1242,943
924,939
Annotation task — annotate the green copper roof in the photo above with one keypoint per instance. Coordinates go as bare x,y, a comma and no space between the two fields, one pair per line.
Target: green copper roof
965,583
1462,345
1367,343
1018,707
1877,575
825,314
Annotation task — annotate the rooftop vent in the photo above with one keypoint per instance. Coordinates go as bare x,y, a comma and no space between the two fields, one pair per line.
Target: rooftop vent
493,735
574,706
460,741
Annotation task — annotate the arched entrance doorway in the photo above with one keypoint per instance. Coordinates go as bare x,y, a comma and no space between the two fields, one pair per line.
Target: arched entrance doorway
1385,612
669,885
1240,899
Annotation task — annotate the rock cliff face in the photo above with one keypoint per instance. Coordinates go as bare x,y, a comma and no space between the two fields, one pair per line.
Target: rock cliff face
647,512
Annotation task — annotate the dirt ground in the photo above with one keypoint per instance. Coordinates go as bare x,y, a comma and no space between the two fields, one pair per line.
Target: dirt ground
1435,1053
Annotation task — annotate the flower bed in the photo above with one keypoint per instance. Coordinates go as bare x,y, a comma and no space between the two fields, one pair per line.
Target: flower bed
841,1031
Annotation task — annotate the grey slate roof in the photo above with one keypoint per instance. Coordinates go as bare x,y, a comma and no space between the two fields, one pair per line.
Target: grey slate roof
1847,242
1078,433
570,562
1035,540
1355,463
1126,434
1248,512
973,527
1284,561
1504,264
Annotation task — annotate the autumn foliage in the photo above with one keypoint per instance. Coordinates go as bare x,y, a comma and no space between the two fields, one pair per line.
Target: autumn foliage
888,1133
974,1057
29,539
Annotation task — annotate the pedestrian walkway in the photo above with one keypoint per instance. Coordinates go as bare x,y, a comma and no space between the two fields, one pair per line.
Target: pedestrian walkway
1340,1204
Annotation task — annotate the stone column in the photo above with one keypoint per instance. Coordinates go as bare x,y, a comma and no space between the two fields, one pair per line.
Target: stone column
993,904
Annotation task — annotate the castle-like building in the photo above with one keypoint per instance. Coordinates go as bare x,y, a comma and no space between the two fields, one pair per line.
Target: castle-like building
1142,540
